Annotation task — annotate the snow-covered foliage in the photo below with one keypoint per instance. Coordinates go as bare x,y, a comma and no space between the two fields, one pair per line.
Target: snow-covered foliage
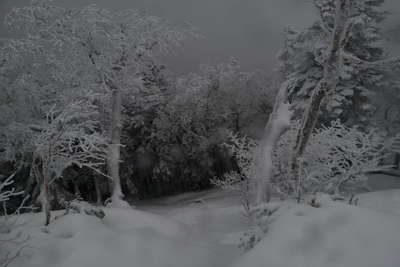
190,128
69,55
304,54
240,182
82,207
262,216
6,189
336,160
12,239
70,137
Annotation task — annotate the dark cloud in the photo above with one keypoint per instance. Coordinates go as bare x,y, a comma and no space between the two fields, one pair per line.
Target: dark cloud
249,30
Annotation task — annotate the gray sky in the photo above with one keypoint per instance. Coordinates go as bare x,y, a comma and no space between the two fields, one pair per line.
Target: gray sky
249,30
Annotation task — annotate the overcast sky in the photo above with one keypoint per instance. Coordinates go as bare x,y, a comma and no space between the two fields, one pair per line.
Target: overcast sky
249,30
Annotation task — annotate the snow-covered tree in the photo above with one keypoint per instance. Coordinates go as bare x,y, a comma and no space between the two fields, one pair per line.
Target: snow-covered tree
69,137
345,21
305,54
336,160
244,95
64,137
50,121
240,181
187,134
102,51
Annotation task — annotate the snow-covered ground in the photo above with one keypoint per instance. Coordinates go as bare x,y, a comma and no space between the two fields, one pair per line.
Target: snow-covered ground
187,233
334,235
200,230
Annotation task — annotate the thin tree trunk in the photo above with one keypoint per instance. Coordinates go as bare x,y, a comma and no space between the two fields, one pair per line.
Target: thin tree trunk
40,173
328,83
278,123
43,180
77,192
115,145
397,160
98,191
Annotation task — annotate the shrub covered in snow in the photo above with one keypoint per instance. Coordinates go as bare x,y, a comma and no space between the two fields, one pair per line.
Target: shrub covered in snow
262,215
243,149
82,207
12,239
336,160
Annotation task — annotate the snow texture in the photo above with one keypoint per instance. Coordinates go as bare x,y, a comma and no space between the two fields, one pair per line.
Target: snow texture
336,234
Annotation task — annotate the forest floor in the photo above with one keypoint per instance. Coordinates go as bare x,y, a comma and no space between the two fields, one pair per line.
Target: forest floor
203,229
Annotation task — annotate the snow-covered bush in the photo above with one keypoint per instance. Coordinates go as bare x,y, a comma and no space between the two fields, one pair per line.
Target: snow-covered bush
239,182
83,207
262,216
12,239
336,160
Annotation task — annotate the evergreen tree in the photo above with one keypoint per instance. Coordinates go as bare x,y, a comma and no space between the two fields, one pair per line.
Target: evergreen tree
304,53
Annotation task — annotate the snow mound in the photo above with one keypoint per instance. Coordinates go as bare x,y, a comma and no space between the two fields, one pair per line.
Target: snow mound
387,201
333,235
125,237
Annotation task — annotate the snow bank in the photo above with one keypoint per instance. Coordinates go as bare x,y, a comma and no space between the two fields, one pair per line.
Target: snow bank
387,201
125,237
331,236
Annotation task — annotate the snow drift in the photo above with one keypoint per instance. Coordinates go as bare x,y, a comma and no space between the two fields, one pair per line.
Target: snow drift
336,234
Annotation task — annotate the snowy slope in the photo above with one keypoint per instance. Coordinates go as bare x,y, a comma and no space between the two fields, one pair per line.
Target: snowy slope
334,235
200,230
188,233
125,237
387,201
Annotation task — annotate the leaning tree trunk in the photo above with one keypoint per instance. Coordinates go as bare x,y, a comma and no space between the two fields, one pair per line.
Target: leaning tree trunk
278,123
327,84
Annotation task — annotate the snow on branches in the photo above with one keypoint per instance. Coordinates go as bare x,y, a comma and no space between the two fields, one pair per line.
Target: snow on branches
336,160
12,240
244,151
71,136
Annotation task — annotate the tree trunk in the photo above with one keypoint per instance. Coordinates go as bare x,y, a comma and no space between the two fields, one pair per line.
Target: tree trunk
77,192
115,145
98,191
41,173
114,154
278,123
327,84
44,195
397,160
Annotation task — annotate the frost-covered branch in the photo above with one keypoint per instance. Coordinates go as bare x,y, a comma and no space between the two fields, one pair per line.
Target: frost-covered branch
336,160
12,240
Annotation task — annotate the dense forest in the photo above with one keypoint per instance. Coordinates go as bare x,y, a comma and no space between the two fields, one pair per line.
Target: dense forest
93,123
